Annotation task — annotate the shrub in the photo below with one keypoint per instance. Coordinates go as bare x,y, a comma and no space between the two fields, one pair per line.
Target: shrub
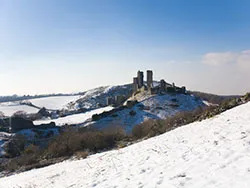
143,129
247,97
81,154
22,161
16,145
96,117
155,127
72,141
64,144
31,149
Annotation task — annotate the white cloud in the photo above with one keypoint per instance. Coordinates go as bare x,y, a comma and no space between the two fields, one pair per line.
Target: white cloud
229,70
217,59
241,59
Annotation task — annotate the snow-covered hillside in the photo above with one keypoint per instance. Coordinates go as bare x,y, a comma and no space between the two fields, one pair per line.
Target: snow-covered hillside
211,153
88,100
150,107
95,98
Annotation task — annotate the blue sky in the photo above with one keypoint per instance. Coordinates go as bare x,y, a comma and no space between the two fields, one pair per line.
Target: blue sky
51,46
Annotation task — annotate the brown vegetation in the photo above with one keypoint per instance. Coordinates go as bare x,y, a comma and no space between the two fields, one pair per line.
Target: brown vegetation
72,141
155,127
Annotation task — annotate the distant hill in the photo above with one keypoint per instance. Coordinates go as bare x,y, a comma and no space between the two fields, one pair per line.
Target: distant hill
212,98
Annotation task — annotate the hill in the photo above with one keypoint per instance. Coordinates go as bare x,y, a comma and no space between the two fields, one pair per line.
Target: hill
210,153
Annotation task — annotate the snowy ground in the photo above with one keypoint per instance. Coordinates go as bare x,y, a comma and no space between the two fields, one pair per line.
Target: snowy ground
150,107
93,98
211,153
54,103
75,118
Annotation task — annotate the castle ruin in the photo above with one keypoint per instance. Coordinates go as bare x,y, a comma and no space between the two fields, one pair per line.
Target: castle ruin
162,87
149,78
140,79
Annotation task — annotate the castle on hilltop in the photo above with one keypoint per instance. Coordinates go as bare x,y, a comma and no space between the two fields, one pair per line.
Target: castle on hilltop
149,86
162,87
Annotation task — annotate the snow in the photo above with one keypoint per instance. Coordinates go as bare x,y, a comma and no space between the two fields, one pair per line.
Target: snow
75,118
54,103
93,98
10,109
211,153
51,103
150,107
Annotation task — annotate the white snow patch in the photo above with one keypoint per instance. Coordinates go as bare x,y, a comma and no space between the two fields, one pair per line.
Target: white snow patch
75,118
211,153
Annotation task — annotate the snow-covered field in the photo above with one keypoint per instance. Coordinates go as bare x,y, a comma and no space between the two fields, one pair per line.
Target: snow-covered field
54,103
211,153
75,118
10,109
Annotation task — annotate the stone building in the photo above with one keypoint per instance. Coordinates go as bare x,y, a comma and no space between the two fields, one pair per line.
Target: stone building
163,85
149,79
140,79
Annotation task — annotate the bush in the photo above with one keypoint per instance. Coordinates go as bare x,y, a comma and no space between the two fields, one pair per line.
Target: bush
72,141
31,149
96,117
81,154
64,144
152,128
247,97
16,145
143,129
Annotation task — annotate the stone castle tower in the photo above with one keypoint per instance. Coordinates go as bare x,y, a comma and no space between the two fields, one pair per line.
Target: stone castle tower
140,79
149,79
138,82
